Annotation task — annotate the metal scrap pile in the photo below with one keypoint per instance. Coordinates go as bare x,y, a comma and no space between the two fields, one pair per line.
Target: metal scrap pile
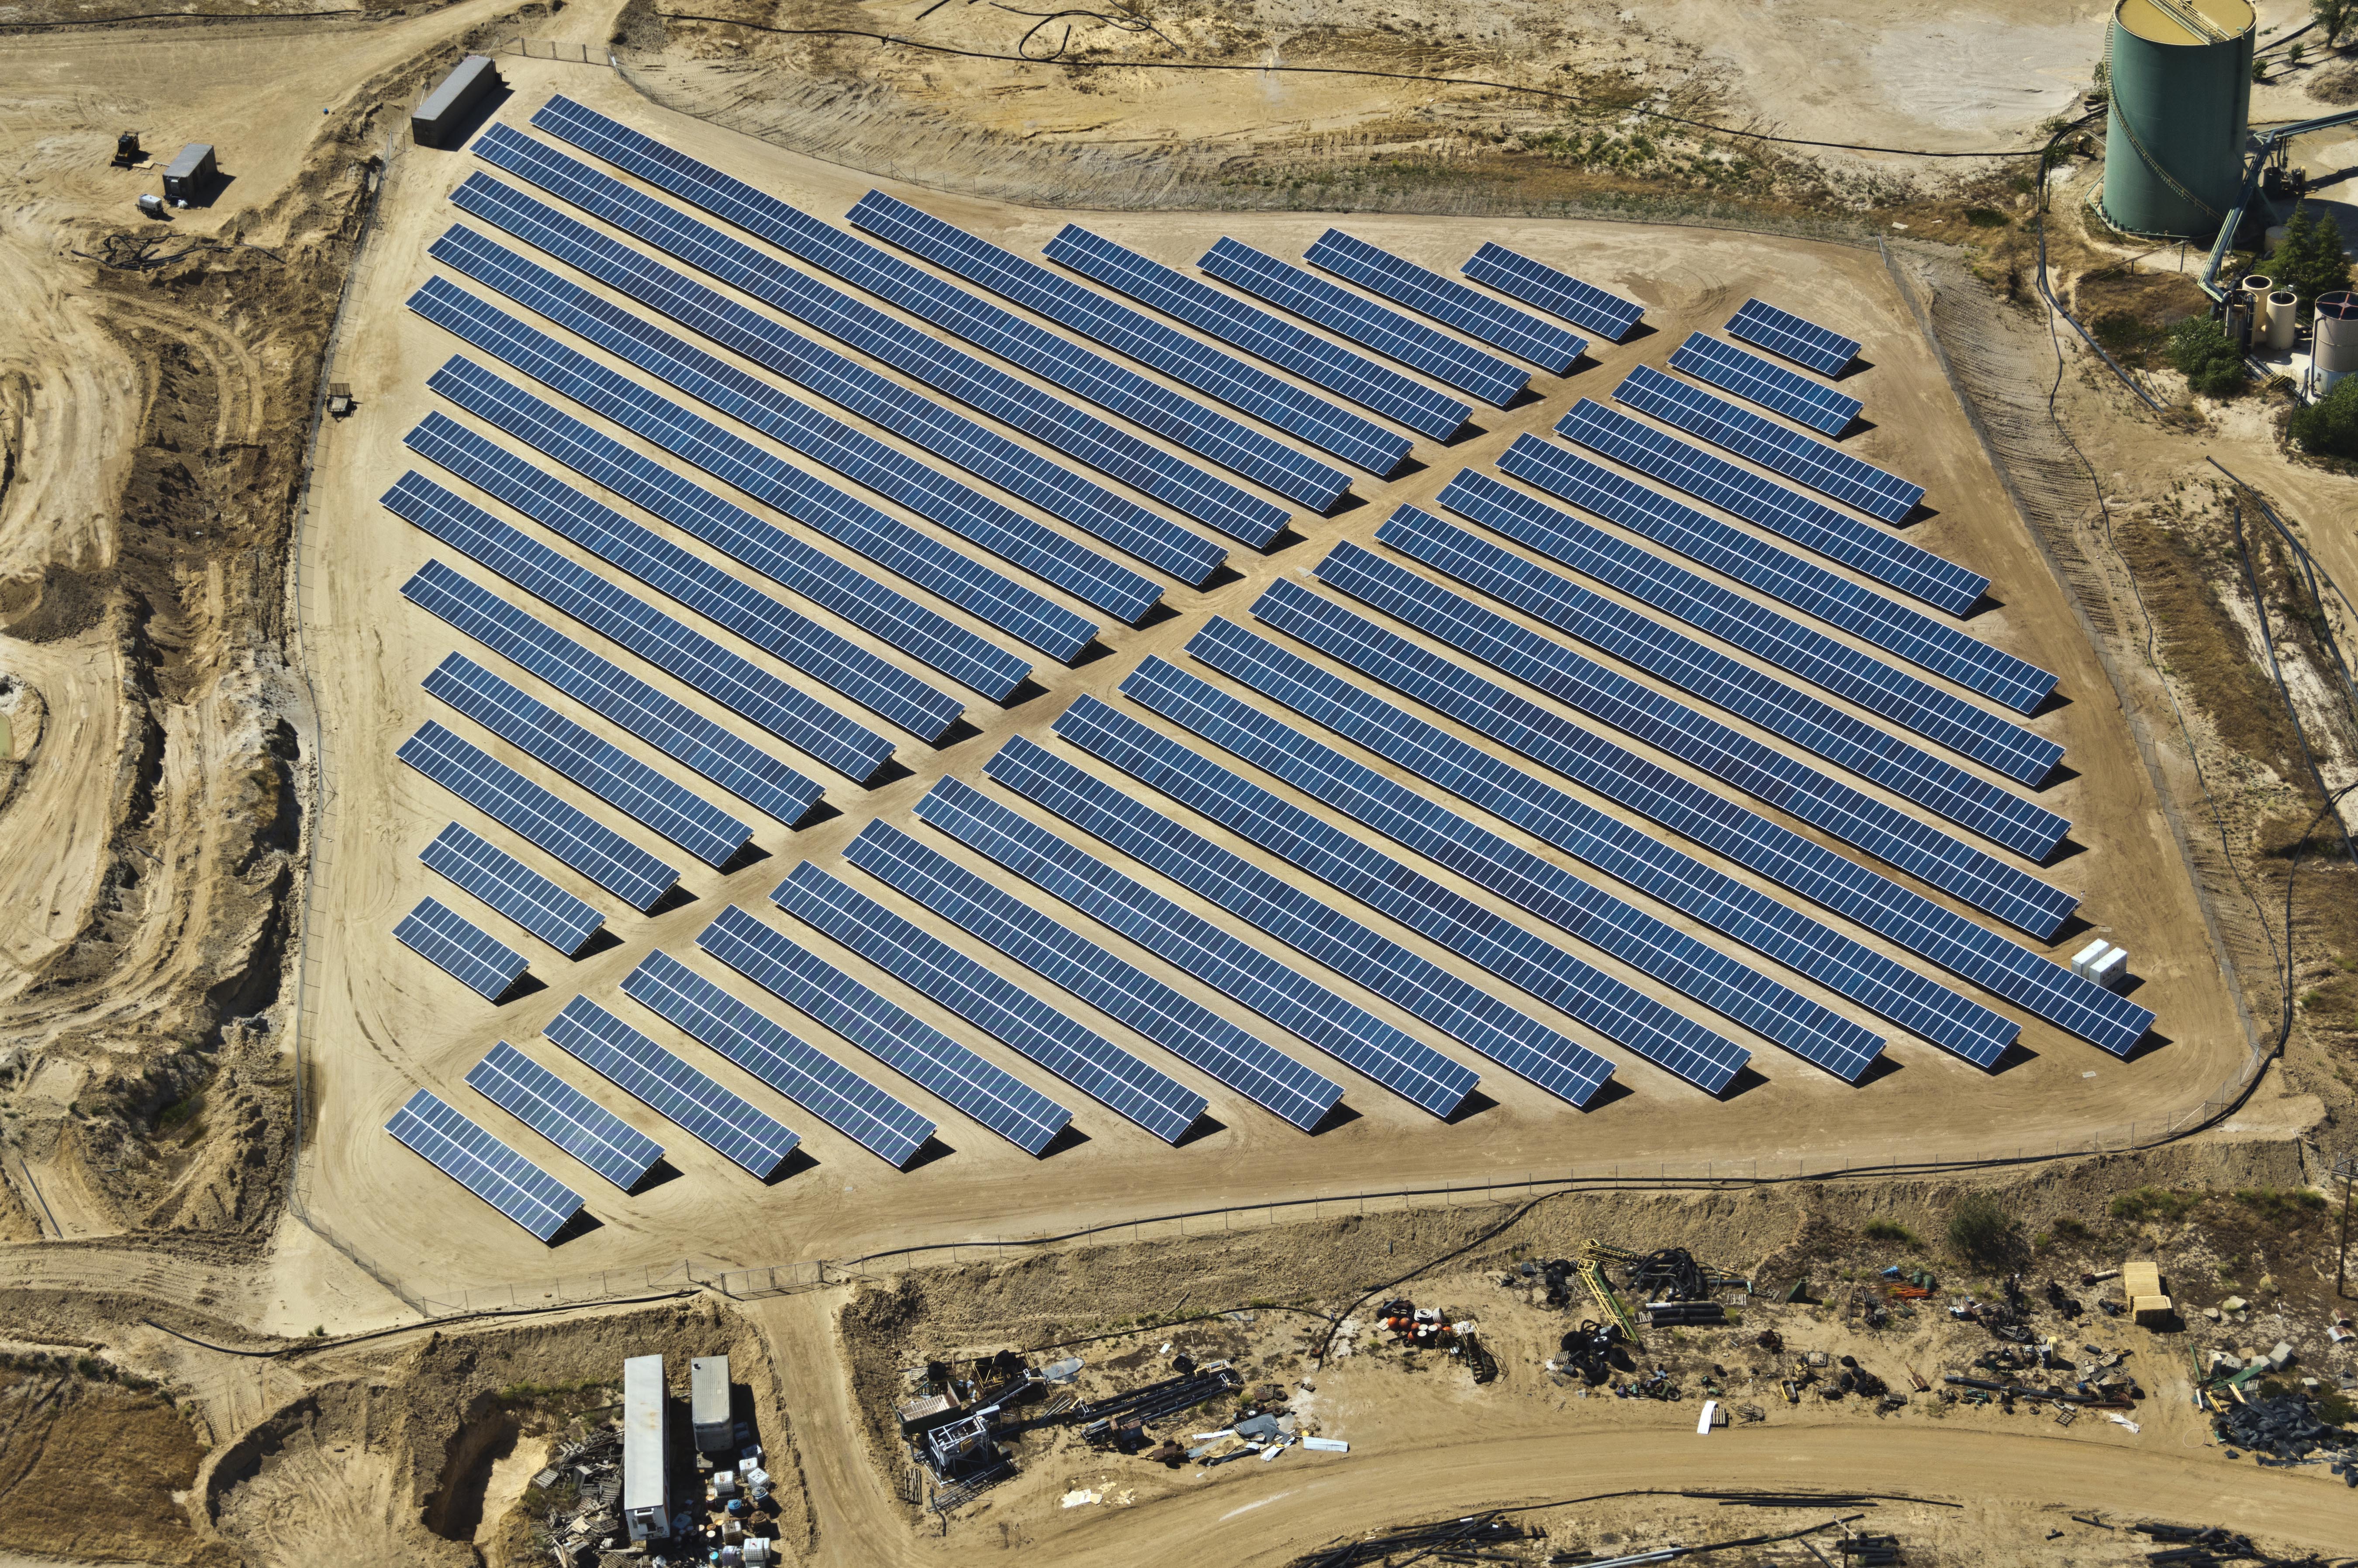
1478,1538
2287,1430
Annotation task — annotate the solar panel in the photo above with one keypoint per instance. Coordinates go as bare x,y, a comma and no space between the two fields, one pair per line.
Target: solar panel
671,645
992,524
1636,857
890,543
814,1080
498,791
1787,335
605,769
484,1166
1809,522
1908,919
715,1115
1774,638
1767,384
1279,342
1613,1009
920,355
452,944
824,655
612,693
1557,293
1410,818
930,638
1083,1058
1122,522
1827,469
1365,323
1900,629
917,1049
1231,966
1793,716
565,1116
512,887
1195,1034
1446,300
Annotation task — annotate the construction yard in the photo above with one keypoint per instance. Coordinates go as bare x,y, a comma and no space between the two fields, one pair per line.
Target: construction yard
219,639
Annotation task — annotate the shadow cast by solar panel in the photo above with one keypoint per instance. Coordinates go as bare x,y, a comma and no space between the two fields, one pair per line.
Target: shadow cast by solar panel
2060,773
796,1162
1025,690
1203,1127
1468,431
1349,502
1859,426
601,940
960,730
1408,468
1090,655
1639,332
1286,538
1219,580
1746,1079
2065,847
1339,1114
677,898
1612,1091
523,986
2151,1041
821,811
748,854
660,1172
1475,1103
1072,1136
1155,615
930,1149
1919,513
582,1223
2013,1057
2073,927
1530,395
892,772
1981,606
1859,365
1882,1067
2053,702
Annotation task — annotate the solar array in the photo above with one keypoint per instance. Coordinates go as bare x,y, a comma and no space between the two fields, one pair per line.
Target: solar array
1365,323
565,1116
598,765
932,639
514,801
1410,818
1612,1008
973,517
730,679
1827,469
1787,335
1090,1063
1279,342
1446,300
1193,1032
814,1080
1792,715
512,887
1557,293
1809,522
715,1115
1059,425
1896,628
819,652
451,942
483,1165
917,1049
1234,967
612,693
992,598
1772,386
1773,638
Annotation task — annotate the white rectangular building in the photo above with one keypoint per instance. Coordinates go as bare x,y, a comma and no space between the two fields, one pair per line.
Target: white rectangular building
646,1506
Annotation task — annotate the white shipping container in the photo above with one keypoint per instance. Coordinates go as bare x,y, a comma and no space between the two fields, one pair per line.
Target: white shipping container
2087,956
2111,970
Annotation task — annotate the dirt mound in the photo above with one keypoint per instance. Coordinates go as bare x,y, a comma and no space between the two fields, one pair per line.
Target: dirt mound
92,1467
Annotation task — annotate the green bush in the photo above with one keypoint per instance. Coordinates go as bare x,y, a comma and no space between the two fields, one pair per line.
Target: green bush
2309,260
1890,1231
1984,1234
2328,427
1987,217
2202,351
2153,1203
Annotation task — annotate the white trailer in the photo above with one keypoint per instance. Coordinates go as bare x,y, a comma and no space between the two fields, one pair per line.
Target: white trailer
709,1411
646,1511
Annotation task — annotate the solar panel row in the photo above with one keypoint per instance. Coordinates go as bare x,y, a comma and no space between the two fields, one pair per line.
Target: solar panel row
1057,423
565,1116
1827,469
1772,386
1612,1008
483,1165
1773,638
1056,489
1446,300
498,791
1639,857
1908,919
1729,754
512,887
1558,293
1365,323
1234,967
917,1049
1410,818
1784,512
814,1080
664,642
451,942
977,518
1900,629
1790,337
715,1115
612,693
1195,1034
819,652
1086,1060
1279,342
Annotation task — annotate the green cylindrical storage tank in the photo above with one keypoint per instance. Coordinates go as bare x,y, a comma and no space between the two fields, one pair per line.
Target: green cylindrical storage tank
2181,96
